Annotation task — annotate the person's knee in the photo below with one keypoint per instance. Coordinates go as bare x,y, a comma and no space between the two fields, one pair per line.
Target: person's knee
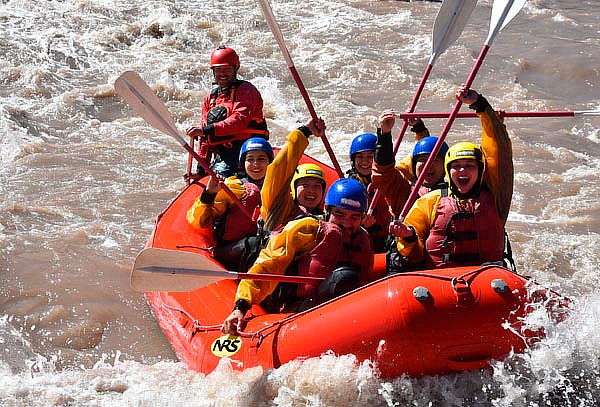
342,280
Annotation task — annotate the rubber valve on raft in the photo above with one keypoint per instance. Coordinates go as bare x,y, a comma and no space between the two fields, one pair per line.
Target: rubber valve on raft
421,293
499,285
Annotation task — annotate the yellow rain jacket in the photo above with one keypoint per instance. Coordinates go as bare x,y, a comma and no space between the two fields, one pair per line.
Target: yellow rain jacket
277,203
296,238
498,177
204,215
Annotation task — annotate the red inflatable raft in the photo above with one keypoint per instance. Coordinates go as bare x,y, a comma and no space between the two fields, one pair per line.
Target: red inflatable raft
420,323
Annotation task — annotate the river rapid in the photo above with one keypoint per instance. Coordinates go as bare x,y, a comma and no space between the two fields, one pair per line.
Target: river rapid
82,179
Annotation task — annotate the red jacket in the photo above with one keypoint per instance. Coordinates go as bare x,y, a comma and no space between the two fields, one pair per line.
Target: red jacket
244,114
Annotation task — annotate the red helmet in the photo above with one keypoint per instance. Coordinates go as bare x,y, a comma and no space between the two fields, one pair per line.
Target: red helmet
224,56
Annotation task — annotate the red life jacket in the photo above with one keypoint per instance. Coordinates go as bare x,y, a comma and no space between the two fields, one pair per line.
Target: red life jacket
219,100
237,225
358,253
331,252
465,236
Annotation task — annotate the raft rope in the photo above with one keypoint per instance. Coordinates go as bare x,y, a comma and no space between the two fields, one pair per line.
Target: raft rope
462,280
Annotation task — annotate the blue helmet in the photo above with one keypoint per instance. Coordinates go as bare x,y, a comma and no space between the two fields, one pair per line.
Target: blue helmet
256,143
363,142
347,193
425,146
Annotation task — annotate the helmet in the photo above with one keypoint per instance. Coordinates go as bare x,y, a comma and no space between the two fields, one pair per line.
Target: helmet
306,171
254,144
363,142
224,56
463,150
425,146
347,193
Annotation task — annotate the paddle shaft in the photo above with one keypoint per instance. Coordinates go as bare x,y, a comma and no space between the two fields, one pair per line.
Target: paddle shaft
268,13
231,275
436,148
413,105
314,116
549,113
211,173
151,104
449,24
503,11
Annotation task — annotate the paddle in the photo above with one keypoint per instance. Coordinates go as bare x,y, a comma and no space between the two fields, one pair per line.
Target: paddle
502,12
449,24
173,270
549,113
268,13
144,101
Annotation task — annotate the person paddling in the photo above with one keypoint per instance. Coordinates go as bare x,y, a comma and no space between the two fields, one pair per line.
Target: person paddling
464,224
338,249
362,152
233,230
231,113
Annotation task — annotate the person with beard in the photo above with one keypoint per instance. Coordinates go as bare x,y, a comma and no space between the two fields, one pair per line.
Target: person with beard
231,113
337,249
233,231
464,224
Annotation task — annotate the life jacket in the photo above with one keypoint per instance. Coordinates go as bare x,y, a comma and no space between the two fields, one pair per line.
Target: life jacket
322,259
236,225
469,233
331,252
357,253
221,105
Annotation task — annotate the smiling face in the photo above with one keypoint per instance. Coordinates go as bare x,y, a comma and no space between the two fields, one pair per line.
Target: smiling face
345,218
464,174
256,163
435,173
224,75
363,162
309,192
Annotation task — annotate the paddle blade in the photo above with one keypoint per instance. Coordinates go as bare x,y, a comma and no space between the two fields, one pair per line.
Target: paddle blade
146,274
144,101
503,11
174,270
449,24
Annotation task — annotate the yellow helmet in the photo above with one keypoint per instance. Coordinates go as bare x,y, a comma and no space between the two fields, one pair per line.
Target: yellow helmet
306,171
461,151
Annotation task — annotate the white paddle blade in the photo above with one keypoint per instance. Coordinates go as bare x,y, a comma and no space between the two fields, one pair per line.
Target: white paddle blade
503,11
270,17
449,24
153,280
144,101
